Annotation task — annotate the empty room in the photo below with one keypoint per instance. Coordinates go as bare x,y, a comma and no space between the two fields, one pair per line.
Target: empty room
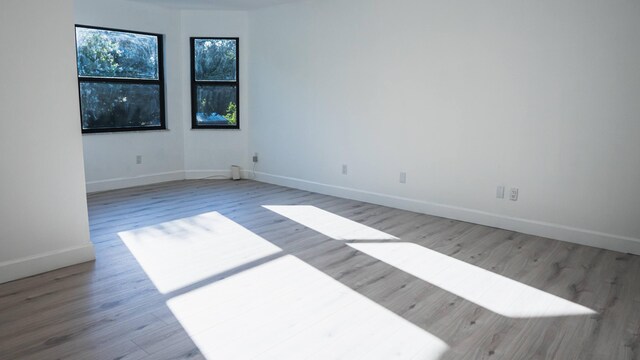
319,179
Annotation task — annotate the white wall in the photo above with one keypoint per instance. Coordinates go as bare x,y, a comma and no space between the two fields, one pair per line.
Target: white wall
211,152
43,207
110,158
463,96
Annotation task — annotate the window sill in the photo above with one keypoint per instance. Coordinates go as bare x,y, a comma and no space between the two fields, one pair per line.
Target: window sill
137,131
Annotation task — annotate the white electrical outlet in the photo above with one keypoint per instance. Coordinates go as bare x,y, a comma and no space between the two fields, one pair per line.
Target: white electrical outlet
500,192
344,169
514,194
255,157
138,159
403,177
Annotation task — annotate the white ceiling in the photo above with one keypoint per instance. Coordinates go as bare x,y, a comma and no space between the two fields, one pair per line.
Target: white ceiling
216,4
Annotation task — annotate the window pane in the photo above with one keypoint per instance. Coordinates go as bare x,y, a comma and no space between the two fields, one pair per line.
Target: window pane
116,54
113,105
217,105
215,59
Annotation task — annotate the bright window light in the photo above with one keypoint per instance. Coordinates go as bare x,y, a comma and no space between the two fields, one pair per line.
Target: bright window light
179,253
286,309
329,224
492,291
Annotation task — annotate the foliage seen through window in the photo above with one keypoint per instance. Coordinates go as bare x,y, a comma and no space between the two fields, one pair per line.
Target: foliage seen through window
120,75
215,86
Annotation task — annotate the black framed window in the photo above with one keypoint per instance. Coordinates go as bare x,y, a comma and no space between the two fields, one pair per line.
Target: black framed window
121,80
215,83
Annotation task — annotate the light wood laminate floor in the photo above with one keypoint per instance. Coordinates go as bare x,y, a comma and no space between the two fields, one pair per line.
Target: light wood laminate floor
219,269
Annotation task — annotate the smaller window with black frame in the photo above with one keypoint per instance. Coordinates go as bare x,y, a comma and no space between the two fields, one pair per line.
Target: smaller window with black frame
215,83
120,79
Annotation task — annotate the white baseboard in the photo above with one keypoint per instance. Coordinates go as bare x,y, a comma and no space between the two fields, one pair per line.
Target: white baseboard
533,227
207,174
120,183
40,263
213,174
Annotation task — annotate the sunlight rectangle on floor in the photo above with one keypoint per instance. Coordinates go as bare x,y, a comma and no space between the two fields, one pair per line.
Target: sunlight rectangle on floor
286,309
179,253
492,291
327,223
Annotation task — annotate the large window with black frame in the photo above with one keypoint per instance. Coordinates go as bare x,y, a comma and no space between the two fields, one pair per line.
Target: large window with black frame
121,80
215,83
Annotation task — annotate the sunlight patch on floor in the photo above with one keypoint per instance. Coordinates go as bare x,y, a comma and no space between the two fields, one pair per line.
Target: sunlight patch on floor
492,291
182,252
329,224
287,309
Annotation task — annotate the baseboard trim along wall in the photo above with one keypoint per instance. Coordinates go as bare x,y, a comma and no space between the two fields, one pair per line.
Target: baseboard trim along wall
214,174
532,227
122,183
40,263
